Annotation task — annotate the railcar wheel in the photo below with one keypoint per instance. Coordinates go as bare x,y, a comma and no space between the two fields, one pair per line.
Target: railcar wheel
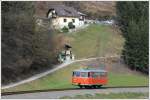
94,86
87,87
81,86
99,86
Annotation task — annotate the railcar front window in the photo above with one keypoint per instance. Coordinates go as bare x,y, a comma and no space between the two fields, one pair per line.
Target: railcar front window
76,74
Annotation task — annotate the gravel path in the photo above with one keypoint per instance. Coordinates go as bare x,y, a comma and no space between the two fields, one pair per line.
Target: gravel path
50,71
58,94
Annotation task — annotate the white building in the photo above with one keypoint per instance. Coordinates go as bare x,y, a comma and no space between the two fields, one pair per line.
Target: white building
61,15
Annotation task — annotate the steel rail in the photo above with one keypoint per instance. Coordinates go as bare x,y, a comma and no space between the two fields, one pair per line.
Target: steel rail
65,89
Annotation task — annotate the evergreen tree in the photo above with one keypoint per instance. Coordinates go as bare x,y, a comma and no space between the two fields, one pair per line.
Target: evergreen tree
133,21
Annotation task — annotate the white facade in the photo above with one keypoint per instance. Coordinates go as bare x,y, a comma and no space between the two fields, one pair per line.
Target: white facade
60,22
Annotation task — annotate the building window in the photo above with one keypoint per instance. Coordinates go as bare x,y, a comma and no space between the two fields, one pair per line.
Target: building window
73,20
65,20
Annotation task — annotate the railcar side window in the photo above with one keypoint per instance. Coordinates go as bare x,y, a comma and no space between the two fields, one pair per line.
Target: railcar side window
103,73
84,74
95,74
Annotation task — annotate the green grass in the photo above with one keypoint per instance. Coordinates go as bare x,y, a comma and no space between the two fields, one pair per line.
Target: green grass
96,40
59,79
85,45
110,96
62,79
116,79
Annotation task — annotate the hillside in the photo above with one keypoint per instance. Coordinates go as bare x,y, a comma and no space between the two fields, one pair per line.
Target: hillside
27,51
85,44
25,54
93,9
96,40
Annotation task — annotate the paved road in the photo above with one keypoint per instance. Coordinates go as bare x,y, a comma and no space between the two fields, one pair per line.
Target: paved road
58,94
51,71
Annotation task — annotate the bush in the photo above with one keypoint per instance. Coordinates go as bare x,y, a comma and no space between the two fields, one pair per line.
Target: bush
65,29
24,49
17,52
71,26
85,22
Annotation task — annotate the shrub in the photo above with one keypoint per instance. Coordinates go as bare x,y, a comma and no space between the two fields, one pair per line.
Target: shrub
85,22
65,29
27,50
71,26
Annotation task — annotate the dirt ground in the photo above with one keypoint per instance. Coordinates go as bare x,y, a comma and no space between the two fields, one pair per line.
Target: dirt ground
116,65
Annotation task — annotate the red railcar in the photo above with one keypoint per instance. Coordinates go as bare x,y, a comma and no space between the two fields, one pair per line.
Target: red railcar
89,78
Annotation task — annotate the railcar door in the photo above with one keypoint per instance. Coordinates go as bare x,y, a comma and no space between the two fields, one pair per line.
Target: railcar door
99,78
76,77
103,78
95,78
84,78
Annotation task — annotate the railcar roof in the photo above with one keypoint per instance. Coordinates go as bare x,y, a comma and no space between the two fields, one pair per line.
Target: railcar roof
90,70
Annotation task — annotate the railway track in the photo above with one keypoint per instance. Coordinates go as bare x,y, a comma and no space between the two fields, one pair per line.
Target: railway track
65,89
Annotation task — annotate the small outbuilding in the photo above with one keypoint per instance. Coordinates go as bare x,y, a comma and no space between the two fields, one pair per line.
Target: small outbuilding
66,55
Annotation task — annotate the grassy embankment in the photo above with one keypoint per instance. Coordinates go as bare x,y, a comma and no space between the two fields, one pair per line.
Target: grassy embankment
85,44
96,40
62,79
